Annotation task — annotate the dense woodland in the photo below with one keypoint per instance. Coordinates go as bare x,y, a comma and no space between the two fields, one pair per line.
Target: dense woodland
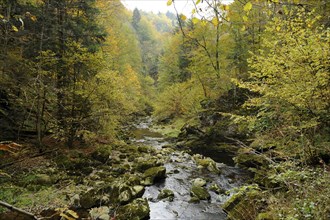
252,77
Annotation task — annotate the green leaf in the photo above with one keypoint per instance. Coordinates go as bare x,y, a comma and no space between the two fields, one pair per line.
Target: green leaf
248,6
169,2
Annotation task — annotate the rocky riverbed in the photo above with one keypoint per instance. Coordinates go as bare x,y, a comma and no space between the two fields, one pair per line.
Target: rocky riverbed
195,186
146,178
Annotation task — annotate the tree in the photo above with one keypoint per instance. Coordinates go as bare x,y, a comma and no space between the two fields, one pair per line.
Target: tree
291,76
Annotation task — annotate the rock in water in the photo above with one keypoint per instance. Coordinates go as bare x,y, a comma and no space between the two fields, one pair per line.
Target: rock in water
200,193
199,182
153,174
166,194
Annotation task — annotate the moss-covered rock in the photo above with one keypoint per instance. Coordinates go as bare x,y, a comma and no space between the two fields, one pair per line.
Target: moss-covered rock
215,188
200,193
247,200
206,163
142,165
153,175
102,153
137,210
199,182
137,191
166,194
247,158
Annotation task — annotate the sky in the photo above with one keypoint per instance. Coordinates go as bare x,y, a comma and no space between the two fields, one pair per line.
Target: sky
183,6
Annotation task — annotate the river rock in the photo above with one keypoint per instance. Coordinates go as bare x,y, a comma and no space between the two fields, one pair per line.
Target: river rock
215,188
137,191
125,196
137,210
166,194
101,213
207,163
144,164
199,182
153,174
200,193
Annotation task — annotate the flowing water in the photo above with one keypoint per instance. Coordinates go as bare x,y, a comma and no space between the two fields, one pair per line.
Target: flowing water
181,171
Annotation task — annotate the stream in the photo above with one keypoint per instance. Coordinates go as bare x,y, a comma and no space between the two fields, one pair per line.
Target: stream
181,171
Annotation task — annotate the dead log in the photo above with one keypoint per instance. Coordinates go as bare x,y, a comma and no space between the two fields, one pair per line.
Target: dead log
13,208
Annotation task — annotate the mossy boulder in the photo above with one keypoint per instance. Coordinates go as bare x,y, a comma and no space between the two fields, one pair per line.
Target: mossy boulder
154,174
248,158
102,154
199,182
200,193
144,164
207,163
247,200
130,193
137,210
166,194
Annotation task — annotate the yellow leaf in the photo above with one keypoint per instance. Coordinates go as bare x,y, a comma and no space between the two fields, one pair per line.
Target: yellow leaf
245,18
278,28
276,1
169,2
197,2
33,18
247,6
193,11
286,10
1,16
72,213
14,28
195,20
225,7
66,217
215,21
183,17
243,28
